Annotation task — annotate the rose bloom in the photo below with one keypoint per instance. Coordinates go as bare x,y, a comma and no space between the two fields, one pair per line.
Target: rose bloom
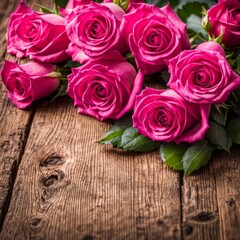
163,115
28,82
74,3
203,75
106,88
225,17
38,36
94,30
154,36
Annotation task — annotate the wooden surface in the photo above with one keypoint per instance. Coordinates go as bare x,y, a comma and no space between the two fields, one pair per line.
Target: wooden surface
57,183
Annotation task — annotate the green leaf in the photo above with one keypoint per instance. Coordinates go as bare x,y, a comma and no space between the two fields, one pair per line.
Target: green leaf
172,154
113,137
219,116
196,156
217,135
141,144
123,135
61,91
234,130
61,3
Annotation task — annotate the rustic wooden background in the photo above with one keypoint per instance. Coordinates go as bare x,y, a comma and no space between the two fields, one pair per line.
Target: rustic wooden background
57,183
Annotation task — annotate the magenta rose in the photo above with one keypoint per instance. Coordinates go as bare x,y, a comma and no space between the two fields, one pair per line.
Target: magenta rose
74,3
203,75
94,30
28,82
225,17
106,88
163,115
38,36
154,36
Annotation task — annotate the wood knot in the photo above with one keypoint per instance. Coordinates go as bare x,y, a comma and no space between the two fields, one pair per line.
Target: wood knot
204,217
35,222
230,202
52,178
51,161
187,229
88,237
160,222
5,146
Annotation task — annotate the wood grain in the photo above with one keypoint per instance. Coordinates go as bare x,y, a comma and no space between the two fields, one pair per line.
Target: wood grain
57,183
69,187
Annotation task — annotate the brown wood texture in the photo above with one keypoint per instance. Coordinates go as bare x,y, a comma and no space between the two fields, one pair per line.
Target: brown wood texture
57,183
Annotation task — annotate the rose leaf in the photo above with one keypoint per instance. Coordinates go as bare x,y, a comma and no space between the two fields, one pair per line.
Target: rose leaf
196,156
61,3
234,130
217,135
141,144
172,154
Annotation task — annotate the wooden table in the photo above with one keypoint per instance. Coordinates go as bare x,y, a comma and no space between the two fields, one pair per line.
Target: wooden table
57,183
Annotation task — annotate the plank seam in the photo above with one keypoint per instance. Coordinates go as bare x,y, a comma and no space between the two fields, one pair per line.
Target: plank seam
181,183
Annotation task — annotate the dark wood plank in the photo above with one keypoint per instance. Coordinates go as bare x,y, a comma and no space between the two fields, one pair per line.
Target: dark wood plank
69,187
227,174
14,123
200,206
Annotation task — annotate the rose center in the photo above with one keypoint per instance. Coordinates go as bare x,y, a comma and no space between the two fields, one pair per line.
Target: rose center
19,88
200,78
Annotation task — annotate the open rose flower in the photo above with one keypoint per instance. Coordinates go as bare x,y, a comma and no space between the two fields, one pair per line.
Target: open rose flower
203,75
74,3
154,36
224,18
106,88
163,115
94,30
38,36
28,82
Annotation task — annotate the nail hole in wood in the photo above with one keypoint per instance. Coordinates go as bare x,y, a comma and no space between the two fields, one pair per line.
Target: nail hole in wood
230,202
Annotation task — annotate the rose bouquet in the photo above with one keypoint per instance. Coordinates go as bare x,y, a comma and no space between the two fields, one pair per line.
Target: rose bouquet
166,73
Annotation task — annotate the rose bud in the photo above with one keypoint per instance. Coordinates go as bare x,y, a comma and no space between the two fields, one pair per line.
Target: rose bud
224,19
163,115
28,82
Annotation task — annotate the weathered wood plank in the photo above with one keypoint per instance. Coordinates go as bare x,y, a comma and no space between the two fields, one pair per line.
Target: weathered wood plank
200,206
227,174
211,206
14,124
69,187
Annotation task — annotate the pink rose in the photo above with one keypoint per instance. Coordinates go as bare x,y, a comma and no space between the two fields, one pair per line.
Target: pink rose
28,82
74,3
163,115
154,36
225,16
94,30
106,88
38,36
203,75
